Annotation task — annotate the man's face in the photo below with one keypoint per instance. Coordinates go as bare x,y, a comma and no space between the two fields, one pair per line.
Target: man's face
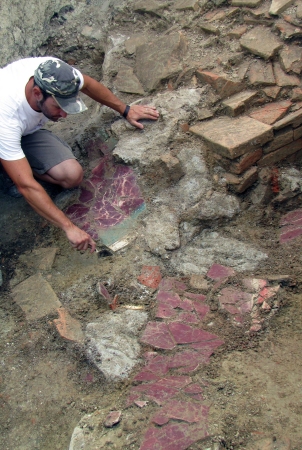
51,109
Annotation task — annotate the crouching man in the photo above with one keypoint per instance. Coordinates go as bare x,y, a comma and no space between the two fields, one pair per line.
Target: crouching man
33,91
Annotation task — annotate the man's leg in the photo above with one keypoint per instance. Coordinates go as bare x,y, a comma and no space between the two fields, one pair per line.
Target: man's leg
51,159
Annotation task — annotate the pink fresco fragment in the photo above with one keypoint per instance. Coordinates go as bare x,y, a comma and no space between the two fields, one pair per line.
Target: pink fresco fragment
158,365
174,436
168,298
103,292
182,359
201,309
186,304
145,375
200,297
172,284
246,307
217,271
165,311
207,348
112,194
193,388
291,217
184,334
231,309
159,391
290,232
188,317
189,369
181,410
234,296
157,334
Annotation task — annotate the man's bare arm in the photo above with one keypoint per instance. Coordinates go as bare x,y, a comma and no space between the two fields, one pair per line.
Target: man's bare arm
21,174
98,92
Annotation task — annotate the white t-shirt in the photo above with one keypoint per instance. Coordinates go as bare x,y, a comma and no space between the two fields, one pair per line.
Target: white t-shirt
17,118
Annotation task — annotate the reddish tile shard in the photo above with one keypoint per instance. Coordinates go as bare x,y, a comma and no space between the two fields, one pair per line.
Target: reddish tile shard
218,271
165,311
172,284
157,334
176,436
199,297
150,276
168,298
180,410
184,334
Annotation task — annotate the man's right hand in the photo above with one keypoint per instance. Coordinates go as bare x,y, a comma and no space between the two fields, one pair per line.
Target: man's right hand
79,239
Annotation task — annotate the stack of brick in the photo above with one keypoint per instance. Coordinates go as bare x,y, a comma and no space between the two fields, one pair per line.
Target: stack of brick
261,138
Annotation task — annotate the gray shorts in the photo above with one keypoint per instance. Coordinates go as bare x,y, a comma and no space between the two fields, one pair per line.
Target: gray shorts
45,150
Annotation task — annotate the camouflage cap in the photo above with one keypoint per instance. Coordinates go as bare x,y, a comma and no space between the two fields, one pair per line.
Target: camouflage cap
61,81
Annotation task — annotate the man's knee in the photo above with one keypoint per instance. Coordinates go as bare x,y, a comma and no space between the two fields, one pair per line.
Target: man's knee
73,175
68,174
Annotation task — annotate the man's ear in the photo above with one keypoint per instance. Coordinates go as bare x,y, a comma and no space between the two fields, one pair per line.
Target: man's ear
36,91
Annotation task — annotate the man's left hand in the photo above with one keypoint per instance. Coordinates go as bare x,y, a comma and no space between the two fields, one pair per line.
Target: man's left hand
137,112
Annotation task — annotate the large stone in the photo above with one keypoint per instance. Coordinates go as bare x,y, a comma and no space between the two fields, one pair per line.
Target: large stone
133,42
36,298
234,137
147,149
291,59
210,248
272,112
160,60
126,81
220,82
261,73
112,342
278,6
283,79
161,232
248,3
152,7
215,207
261,42
289,31
39,258
184,5
237,104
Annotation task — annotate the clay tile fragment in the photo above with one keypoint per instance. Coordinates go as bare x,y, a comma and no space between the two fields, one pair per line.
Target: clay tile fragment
217,271
157,334
150,276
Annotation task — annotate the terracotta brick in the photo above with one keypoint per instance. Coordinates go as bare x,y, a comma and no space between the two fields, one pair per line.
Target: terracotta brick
221,83
294,119
68,327
246,161
237,32
241,184
282,137
237,104
234,137
272,112
297,133
280,154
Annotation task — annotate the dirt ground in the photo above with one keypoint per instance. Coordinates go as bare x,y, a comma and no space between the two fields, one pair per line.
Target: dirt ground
252,384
